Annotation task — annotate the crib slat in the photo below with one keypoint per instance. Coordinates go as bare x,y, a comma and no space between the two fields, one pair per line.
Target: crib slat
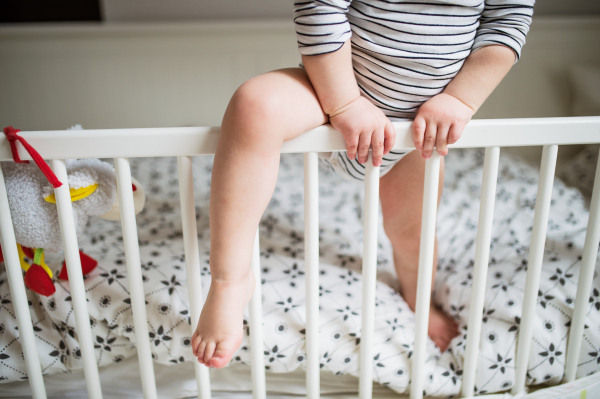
482,255
134,275
192,260
428,222
369,274
73,261
584,286
19,296
534,268
257,358
311,268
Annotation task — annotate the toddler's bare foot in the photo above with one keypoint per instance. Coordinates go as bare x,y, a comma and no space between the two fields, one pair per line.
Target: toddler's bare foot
442,328
220,328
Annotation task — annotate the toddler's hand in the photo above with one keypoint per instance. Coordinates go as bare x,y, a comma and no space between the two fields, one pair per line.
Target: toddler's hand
440,121
363,125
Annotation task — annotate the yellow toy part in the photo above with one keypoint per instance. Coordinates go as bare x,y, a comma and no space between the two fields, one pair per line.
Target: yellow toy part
76,194
38,259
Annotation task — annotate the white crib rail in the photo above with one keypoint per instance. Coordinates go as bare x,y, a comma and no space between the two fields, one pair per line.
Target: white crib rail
584,286
534,264
186,142
73,261
369,272
482,255
311,270
134,275
424,280
192,260
259,385
173,142
19,297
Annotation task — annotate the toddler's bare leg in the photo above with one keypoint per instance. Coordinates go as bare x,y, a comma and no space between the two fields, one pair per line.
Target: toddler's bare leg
401,192
263,113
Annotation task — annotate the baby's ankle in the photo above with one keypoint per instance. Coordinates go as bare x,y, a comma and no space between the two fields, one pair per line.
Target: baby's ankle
228,280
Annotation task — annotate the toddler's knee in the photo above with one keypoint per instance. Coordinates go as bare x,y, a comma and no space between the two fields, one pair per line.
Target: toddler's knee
256,107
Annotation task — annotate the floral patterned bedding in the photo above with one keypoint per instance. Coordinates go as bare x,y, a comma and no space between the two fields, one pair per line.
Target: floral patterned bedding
281,231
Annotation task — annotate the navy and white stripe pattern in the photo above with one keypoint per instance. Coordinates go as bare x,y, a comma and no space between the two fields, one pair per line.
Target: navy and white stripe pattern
405,52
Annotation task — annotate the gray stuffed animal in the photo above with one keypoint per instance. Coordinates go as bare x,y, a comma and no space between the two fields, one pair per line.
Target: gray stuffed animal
35,218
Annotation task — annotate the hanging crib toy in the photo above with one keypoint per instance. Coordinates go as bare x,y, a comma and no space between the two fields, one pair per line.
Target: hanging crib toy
33,209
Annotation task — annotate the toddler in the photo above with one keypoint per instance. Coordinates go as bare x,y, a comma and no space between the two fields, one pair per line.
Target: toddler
366,63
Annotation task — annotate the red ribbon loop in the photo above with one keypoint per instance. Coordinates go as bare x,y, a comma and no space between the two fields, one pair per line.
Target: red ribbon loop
13,137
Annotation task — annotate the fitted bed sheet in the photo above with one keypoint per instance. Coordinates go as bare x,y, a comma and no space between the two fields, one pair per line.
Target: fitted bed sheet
122,381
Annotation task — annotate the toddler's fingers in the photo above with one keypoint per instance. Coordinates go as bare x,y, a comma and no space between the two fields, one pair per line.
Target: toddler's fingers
352,146
455,132
418,132
364,142
377,145
440,141
429,140
389,136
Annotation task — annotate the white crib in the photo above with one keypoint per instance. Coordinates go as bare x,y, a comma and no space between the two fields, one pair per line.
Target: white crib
184,143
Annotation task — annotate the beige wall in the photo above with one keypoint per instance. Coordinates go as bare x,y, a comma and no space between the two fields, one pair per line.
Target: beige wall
145,10
132,75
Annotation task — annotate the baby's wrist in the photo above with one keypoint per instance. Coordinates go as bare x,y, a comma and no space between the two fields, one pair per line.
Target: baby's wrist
464,101
342,109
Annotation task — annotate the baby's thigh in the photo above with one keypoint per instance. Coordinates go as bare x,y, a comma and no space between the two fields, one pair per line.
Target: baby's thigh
282,102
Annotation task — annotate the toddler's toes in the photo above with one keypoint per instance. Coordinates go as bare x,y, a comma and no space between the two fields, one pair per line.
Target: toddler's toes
200,354
208,352
196,339
223,353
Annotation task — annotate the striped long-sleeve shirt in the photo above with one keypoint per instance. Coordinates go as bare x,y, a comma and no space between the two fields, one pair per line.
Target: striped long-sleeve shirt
405,52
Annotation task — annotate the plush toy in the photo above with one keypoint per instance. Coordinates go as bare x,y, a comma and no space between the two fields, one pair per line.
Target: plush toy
35,218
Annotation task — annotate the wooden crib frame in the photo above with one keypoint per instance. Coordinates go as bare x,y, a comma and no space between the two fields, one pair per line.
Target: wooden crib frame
184,143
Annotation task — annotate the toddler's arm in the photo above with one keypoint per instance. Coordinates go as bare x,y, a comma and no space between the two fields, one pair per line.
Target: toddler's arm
362,124
497,45
324,33
440,120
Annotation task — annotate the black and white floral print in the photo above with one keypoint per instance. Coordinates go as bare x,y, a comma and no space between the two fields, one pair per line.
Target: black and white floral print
283,287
